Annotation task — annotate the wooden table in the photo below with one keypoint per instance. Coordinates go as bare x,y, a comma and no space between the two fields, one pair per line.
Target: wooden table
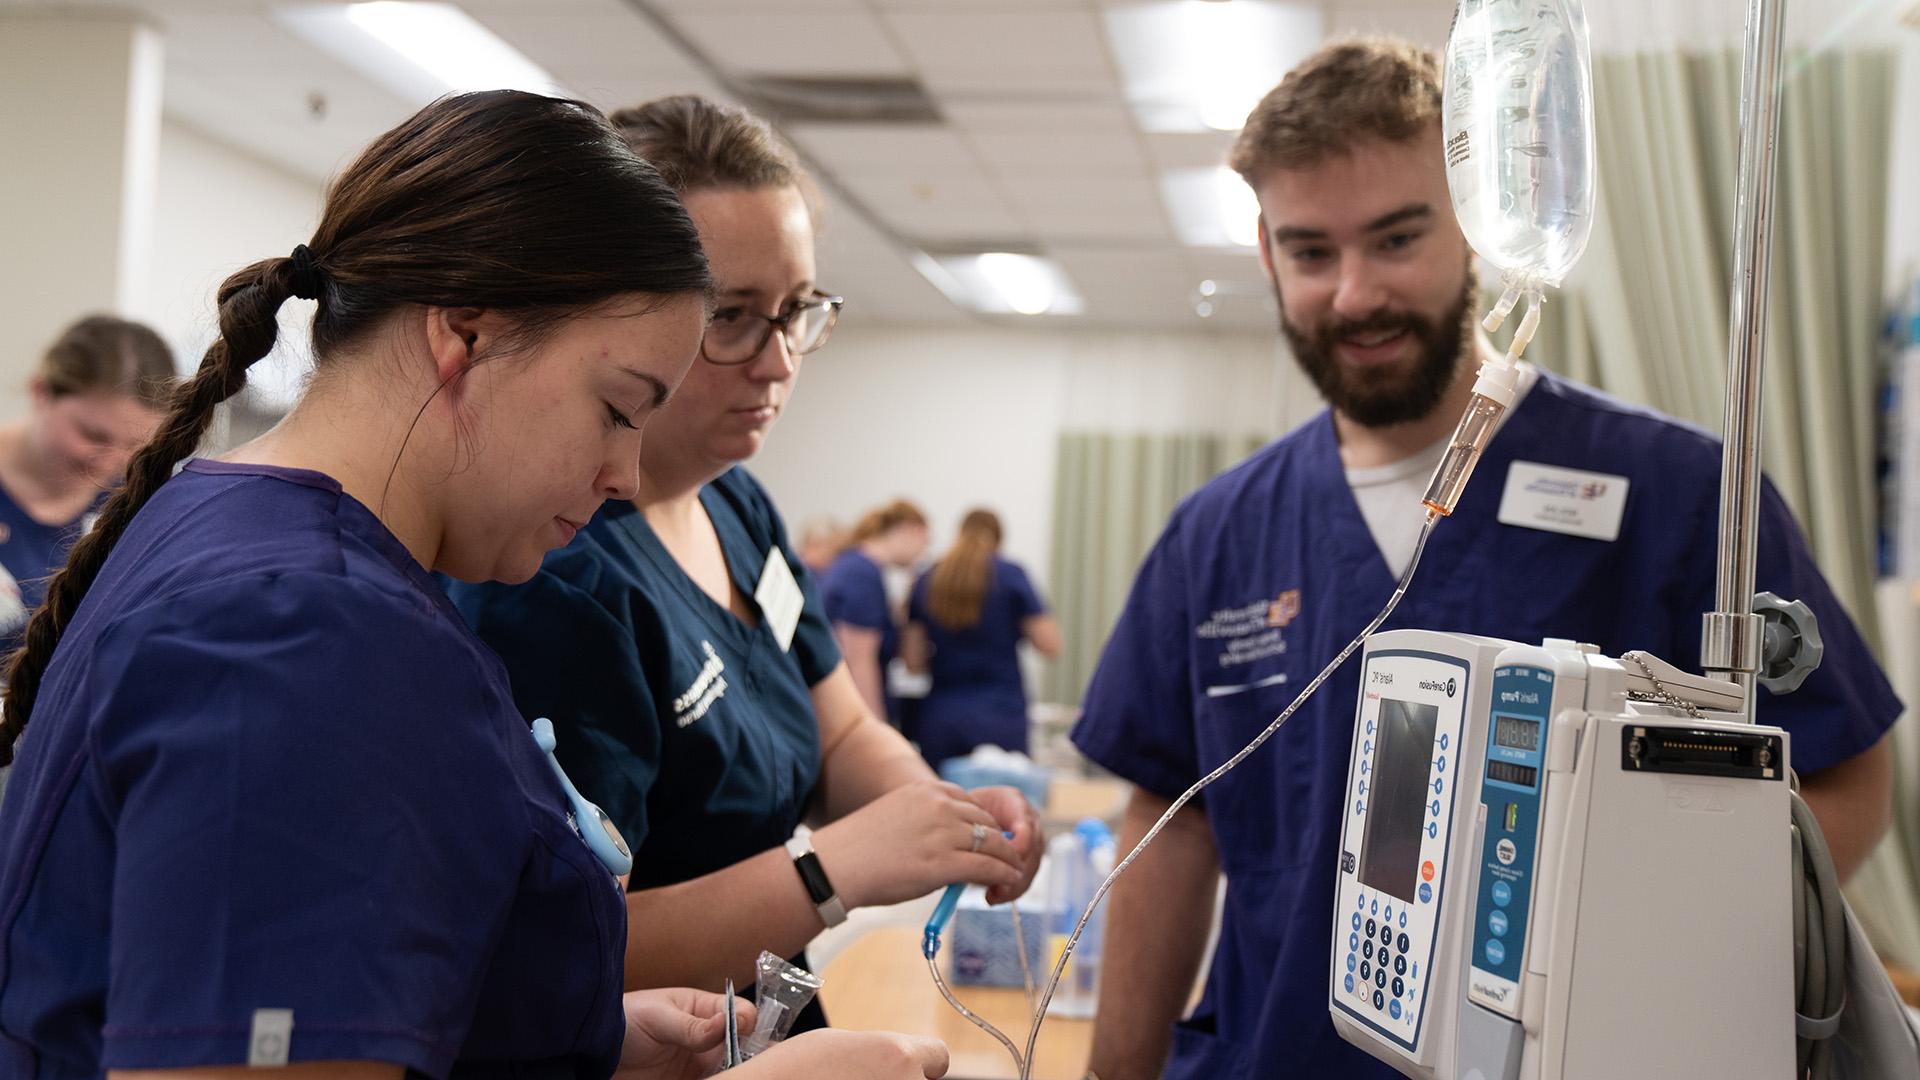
880,983
1071,798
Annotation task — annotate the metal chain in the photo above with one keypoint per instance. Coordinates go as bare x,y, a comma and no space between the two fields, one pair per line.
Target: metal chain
1660,691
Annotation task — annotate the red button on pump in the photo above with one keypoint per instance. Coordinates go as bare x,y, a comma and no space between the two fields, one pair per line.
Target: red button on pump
1426,870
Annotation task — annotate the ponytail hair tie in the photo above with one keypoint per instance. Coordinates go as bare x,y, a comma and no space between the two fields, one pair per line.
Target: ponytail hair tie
306,278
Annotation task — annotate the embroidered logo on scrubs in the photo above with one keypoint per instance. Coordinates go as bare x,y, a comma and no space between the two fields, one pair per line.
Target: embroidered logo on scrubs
1284,608
1250,631
708,687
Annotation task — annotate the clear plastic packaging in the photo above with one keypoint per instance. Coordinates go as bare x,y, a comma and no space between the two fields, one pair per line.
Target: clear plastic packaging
780,992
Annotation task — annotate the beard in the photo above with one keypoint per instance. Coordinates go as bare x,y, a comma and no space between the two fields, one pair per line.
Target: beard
1385,394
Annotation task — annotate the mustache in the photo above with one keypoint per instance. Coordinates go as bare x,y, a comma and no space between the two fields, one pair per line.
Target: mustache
1378,322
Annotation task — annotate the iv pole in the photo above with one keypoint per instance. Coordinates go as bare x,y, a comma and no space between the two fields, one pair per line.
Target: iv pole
1733,638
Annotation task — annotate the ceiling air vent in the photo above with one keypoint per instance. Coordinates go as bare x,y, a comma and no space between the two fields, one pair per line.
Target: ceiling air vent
841,101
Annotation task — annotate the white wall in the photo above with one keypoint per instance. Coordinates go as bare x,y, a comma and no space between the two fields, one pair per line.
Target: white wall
220,210
957,417
1903,190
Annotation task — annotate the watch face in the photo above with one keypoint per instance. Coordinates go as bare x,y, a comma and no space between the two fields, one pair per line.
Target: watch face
619,842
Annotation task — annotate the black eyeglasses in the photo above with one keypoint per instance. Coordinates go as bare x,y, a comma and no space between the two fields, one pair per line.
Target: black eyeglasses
737,335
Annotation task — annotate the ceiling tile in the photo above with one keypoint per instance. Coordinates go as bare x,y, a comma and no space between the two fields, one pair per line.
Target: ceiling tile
1064,154
575,47
827,43
1040,117
1007,52
756,7
889,150
611,94
946,212
1189,151
1423,24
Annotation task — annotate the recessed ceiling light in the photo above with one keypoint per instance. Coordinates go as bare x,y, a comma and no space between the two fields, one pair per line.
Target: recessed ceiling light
1193,65
417,50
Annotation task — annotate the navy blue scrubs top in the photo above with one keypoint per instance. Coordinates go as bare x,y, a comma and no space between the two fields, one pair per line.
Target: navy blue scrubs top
30,554
977,694
270,768
854,590
694,732
1269,570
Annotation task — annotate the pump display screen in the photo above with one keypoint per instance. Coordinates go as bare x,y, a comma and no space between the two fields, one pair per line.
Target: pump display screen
1516,733
1397,797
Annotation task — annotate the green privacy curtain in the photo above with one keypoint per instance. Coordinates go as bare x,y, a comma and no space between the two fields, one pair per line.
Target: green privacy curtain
1645,317
1112,494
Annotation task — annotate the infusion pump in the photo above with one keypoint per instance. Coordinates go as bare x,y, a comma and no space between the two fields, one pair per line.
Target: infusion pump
1555,864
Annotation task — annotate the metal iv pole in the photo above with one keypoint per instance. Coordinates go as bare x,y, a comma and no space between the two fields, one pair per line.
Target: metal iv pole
1734,638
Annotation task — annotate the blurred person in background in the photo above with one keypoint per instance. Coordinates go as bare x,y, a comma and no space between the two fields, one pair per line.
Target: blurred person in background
822,539
965,622
854,589
98,395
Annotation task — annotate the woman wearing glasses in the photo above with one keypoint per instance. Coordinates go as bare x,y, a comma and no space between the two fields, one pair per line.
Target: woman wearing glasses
680,648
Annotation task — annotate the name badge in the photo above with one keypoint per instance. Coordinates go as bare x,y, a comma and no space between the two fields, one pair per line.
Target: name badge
779,597
1566,501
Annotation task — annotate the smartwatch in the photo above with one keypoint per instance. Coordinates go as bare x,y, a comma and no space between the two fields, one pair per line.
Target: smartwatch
814,877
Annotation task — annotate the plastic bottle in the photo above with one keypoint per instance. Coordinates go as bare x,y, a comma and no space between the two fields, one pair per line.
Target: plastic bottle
1082,859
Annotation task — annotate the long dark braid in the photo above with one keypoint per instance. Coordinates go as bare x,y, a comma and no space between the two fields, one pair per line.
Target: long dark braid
249,307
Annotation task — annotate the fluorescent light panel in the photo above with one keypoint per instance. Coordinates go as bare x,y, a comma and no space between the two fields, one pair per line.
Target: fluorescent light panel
1195,65
1005,283
419,51
1211,207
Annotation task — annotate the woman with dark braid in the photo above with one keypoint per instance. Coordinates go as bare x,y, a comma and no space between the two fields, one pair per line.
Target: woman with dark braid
272,804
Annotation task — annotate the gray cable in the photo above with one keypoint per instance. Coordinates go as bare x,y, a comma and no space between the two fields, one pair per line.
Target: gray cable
1820,943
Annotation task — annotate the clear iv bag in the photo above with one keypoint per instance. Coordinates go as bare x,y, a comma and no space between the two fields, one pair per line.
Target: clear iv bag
1518,123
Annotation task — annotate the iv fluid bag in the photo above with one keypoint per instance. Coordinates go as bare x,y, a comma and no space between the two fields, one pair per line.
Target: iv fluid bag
1518,123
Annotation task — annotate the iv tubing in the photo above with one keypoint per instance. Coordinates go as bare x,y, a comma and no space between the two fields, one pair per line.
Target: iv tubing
1060,966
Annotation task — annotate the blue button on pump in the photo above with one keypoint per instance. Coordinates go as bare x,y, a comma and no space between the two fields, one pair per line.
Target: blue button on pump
1502,893
1351,962
1441,764
1496,952
1356,920
1426,893
1393,1008
1353,941
1497,922
1443,742
1376,907
1439,784
1403,919
1349,984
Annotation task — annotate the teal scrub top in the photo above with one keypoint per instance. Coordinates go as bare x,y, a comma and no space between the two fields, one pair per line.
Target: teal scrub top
693,731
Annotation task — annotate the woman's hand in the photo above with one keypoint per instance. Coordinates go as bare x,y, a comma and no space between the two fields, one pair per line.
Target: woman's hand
831,1054
676,1033
1015,815
917,838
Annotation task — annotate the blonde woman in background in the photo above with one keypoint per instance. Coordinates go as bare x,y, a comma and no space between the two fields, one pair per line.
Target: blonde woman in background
97,397
854,589
965,622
